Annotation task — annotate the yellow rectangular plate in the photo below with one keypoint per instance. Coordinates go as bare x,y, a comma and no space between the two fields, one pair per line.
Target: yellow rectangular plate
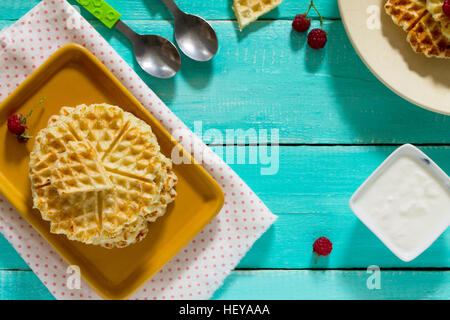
70,77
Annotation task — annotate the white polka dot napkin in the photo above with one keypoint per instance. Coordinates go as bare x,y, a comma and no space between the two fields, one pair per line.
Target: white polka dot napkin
200,268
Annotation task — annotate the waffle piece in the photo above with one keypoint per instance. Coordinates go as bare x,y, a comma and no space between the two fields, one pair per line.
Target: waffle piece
133,197
248,11
75,215
406,13
136,155
104,200
49,145
78,170
61,171
435,8
424,33
132,233
99,124
426,37
168,195
136,152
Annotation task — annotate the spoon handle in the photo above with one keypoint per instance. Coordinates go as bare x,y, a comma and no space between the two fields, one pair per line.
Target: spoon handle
173,8
102,11
126,30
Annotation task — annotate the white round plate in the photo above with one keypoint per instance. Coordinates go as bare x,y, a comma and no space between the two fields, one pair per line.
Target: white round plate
382,46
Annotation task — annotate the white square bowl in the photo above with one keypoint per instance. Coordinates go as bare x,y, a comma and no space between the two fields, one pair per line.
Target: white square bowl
428,165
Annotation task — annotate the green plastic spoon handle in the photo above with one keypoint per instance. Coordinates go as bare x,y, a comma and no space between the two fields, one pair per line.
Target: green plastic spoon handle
102,11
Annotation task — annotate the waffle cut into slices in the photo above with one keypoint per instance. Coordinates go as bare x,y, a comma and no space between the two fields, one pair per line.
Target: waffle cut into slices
406,13
425,34
435,8
426,37
97,174
248,11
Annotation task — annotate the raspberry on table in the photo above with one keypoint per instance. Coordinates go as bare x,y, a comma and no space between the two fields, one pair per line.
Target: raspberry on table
301,23
322,247
446,8
317,38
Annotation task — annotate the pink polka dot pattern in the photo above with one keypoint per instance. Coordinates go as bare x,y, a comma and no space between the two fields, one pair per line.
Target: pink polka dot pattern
200,268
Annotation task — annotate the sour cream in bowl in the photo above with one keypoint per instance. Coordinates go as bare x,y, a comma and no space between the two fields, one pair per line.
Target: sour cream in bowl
405,202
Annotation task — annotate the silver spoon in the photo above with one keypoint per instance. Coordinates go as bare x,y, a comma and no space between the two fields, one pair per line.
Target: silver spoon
156,55
195,37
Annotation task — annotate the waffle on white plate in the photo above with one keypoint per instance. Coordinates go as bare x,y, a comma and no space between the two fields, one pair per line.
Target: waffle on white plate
426,25
97,174
248,11
435,8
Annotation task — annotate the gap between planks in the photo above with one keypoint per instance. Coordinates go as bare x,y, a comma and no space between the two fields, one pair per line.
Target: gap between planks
422,144
426,269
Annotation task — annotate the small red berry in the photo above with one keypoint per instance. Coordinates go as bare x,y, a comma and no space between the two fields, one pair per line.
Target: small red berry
446,8
322,247
301,23
16,124
317,38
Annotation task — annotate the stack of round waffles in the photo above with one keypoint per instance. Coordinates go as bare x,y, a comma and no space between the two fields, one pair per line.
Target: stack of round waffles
427,26
97,174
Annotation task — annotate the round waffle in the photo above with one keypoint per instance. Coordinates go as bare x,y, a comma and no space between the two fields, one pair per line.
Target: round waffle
97,174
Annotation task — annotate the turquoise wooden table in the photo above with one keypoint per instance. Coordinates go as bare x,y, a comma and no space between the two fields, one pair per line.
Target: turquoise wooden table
336,123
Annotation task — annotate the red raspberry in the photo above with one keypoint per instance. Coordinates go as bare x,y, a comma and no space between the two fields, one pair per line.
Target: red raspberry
16,124
301,23
317,38
322,247
446,8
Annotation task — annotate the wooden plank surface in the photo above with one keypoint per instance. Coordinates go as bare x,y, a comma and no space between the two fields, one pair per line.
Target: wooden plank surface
311,97
288,244
308,284
329,110
208,9
310,194
276,284
22,285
